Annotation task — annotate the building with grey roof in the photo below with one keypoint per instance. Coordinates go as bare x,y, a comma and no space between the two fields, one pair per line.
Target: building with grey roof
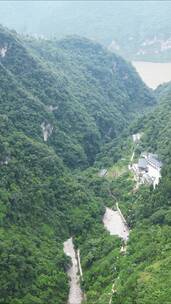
142,164
154,161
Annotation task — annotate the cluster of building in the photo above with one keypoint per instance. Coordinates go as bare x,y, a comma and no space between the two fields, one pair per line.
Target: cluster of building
148,169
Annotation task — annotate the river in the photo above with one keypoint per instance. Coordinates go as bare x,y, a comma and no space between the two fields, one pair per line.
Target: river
153,73
75,293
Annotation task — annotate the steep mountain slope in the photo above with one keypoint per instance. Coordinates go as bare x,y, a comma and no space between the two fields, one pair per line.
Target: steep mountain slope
41,203
137,30
157,125
143,274
74,86
82,95
162,90
149,279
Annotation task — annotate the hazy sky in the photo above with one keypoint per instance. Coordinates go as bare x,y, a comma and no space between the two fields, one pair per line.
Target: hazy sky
128,23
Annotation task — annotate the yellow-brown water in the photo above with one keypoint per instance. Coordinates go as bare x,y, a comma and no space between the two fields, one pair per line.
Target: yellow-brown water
152,73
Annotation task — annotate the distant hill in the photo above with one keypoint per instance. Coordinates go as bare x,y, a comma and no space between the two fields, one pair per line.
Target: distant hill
138,30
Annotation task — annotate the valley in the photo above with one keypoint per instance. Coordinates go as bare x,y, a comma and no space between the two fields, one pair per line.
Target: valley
75,293
73,116
115,224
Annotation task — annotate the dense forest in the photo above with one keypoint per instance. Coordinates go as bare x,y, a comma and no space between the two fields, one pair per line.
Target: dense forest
67,109
82,94
143,274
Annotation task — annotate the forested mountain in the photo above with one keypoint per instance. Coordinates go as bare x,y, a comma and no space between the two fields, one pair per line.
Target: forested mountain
61,103
146,271
157,125
137,30
78,92
41,202
162,90
143,274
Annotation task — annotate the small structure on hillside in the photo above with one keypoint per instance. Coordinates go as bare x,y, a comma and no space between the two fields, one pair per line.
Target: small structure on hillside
136,137
103,172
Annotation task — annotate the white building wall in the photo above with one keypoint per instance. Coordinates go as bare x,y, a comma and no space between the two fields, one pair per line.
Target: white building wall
154,173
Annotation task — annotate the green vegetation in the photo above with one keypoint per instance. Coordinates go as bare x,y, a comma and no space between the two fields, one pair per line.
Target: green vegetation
94,94
41,204
50,189
143,274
